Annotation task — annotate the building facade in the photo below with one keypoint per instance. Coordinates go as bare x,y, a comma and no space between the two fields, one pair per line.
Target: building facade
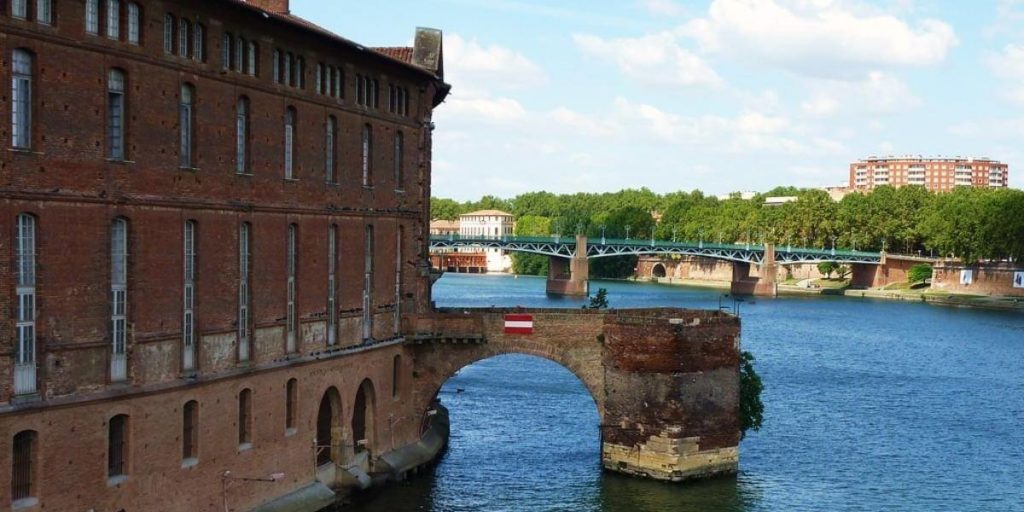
214,217
935,174
490,224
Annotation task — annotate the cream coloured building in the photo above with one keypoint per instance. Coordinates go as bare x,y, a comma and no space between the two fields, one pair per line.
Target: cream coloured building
490,224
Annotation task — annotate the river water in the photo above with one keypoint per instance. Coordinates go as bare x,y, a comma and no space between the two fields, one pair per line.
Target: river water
869,405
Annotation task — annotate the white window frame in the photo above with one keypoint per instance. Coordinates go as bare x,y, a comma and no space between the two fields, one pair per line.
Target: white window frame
92,17
116,114
19,9
134,23
21,99
186,118
244,268
242,136
25,327
169,26
44,12
330,148
289,143
240,47
188,325
367,155
184,37
291,326
368,284
399,160
332,292
198,41
225,51
251,56
119,300
113,19
398,280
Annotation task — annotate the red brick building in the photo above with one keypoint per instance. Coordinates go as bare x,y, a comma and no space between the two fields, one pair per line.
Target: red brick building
214,219
935,174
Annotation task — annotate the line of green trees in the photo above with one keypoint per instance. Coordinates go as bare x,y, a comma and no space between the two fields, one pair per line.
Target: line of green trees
969,223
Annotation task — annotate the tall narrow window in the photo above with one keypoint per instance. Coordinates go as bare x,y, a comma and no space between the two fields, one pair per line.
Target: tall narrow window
25,343
300,72
19,8
240,46
44,11
290,322
23,458
169,24
117,446
289,142
92,16
242,136
330,148
332,290
115,114
114,19
396,374
319,86
185,120
225,51
277,66
134,23
244,267
339,83
118,299
184,37
291,404
376,93
21,100
245,418
368,284
190,431
188,324
367,154
392,98
286,79
360,90
199,42
399,240
253,58
399,163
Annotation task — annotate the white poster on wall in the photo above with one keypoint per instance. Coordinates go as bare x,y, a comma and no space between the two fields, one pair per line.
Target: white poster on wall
1018,279
966,277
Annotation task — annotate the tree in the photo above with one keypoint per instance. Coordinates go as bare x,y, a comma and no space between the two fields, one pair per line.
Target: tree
600,300
827,268
919,273
526,263
751,407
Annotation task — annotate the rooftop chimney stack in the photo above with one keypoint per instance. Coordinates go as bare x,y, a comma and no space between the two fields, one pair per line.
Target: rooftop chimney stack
276,6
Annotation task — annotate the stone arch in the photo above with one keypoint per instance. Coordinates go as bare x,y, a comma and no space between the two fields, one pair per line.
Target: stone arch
364,418
658,270
329,436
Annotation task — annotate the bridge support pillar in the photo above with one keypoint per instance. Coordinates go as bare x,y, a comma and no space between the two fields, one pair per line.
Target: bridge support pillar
765,284
570,276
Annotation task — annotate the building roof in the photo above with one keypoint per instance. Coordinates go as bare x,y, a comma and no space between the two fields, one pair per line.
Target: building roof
487,212
444,224
402,53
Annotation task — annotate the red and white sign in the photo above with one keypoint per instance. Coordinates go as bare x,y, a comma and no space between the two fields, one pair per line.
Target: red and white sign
518,324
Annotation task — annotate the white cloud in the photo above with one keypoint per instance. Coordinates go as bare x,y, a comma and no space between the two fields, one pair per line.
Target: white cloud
663,7
878,93
821,38
475,66
655,59
497,110
1009,65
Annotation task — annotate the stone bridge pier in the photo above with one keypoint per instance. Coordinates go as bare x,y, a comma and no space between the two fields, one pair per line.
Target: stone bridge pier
570,276
665,382
765,284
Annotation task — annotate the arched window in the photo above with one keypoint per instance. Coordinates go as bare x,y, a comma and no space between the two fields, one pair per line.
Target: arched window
363,428
240,46
287,78
252,55
244,270
277,66
225,50
186,120
396,376
188,325
21,100
116,114
339,83
44,12
23,461
242,136
399,161
291,405
169,25
245,418
25,343
92,17
292,265
289,142
134,23
199,42
114,19
318,83
367,156
184,37
118,299
332,291
190,431
117,446
330,149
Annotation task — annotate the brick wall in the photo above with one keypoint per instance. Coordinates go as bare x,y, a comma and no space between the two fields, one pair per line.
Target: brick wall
987,279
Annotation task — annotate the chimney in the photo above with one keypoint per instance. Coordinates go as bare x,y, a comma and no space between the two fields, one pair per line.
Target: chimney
276,6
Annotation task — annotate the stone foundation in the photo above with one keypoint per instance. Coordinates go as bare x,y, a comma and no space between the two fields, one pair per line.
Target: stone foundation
671,459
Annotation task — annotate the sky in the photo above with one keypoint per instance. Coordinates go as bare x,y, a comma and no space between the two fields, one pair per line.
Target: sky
718,95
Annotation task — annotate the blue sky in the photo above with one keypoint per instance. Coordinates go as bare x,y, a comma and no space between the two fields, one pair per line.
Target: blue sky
721,95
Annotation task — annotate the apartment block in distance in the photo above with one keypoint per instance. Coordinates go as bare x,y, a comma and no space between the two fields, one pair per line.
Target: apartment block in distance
939,174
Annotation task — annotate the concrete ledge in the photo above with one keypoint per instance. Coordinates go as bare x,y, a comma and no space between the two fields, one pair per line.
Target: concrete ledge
311,498
672,460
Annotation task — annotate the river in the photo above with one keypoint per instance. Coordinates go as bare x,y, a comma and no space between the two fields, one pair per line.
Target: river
869,405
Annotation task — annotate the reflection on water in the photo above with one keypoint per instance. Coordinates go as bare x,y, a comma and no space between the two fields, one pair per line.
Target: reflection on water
871,405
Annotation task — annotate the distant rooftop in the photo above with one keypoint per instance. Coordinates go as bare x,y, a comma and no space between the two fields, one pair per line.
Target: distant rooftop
920,158
479,213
